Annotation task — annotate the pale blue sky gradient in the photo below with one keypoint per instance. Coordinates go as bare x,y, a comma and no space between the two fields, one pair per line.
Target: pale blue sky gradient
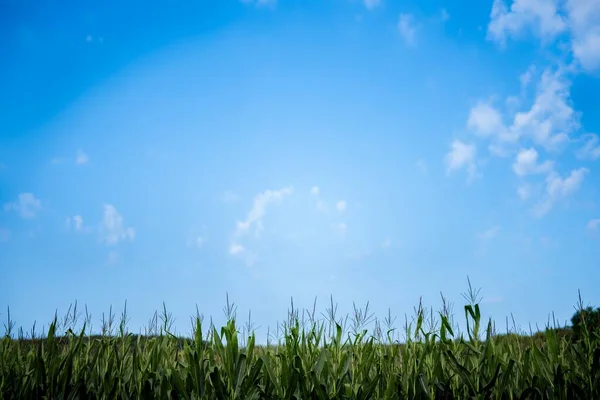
137,142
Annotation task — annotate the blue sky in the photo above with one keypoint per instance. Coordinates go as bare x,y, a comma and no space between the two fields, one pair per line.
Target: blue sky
370,150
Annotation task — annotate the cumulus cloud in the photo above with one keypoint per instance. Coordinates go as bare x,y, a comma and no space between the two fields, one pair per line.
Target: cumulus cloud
548,122
259,208
407,28
558,188
26,205
113,228
485,120
584,22
461,155
548,20
540,17
551,118
527,163
341,206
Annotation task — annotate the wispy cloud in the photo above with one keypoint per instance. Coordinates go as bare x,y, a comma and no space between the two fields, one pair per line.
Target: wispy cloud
461,155
524,191
407,28
558,188
236,249
259,208
76,222
113,228
314,191
489,234
341,206
371,4
594,225
26,205
261,3
81,158
444,15
591,148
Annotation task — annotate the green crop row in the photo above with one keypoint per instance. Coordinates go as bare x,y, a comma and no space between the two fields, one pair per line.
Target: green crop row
308,362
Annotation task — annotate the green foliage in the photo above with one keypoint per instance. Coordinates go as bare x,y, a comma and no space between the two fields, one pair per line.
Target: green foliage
585,320
312,360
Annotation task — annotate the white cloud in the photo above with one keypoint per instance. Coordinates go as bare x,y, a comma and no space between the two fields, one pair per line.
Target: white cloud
341,206
407,28
524,191
257,213
584,22
527,163
236,249
591,148
341,228
541,17
112,227
547,20
27,205
490,233
527,76
315,190
371,4
485,120
81,158
76,221
558,188
551,118
593,225
461,155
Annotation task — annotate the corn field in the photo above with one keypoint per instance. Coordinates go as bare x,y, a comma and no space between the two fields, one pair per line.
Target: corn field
311,359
